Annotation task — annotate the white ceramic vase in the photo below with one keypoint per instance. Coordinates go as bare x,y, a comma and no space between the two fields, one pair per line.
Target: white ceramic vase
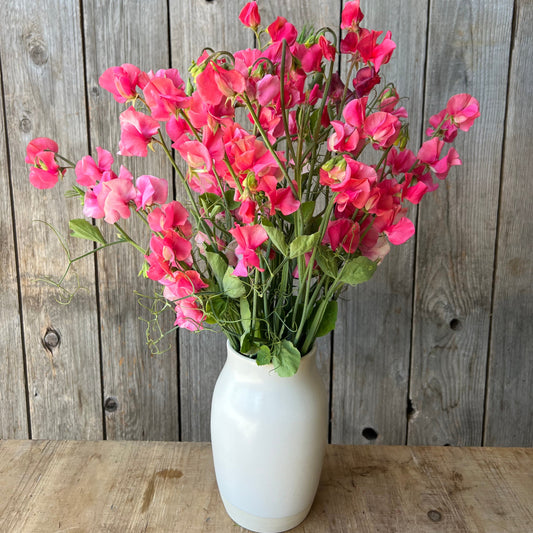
269,436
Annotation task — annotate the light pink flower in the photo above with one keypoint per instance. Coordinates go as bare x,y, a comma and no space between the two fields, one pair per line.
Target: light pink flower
248,238
150,190
136,132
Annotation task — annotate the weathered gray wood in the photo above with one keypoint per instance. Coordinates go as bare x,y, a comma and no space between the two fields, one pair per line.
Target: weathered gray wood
141,386
42,66
195,25
457,228
13,412
510,391
373,338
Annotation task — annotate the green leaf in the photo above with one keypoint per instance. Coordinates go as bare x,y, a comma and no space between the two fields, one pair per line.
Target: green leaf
218,264
229,196
307,209
264,356
215,309
247,344
329,319
277,237
357,270
83,229
246,315
327,262
287,359
233,285
303,244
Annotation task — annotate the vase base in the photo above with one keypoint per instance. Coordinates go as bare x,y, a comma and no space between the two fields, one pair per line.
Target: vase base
261,524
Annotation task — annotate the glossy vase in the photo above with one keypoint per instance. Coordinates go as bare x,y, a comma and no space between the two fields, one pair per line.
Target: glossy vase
269,435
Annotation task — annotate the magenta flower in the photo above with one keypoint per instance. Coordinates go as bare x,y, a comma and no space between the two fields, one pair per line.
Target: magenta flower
164,96
136,132
281,29
249,16
248,238
344,232
170,216
351,16
382,129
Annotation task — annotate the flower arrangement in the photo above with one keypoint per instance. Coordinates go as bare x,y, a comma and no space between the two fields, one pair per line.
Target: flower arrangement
281,211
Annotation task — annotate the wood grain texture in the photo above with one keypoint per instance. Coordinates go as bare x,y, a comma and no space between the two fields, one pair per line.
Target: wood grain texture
372,339
13,412
195,25
510,392
42,67
457,228
160,487
142,385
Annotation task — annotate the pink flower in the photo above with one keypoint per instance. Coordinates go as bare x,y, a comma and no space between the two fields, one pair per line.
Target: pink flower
439,124
371,51
170,248
351,16
88,172
150,190
328,50
216,84
39,144
429,153
400,232
189,315
170,216
183,284
382,129
45,173
248,238
249,16
463,110
164,95
136,132
121,82
344,232
281,29
365,80
268,89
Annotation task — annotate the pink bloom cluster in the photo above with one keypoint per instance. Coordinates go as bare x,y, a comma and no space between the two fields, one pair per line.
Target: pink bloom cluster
306,132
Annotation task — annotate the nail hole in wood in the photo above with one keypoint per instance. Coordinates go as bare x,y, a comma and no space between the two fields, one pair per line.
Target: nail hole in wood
51,339
456,324
410,411
110,404
434,515
370,434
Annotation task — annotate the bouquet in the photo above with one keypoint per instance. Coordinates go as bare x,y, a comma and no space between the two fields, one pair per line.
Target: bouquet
282,212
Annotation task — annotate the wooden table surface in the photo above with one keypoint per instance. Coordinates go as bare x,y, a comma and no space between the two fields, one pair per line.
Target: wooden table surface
118,486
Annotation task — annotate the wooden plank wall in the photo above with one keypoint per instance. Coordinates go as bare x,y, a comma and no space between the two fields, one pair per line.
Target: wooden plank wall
436,349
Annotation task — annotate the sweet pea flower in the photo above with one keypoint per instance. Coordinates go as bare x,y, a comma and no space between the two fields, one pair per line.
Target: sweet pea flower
249,16
365,80
37,145
382,129
150,190
45,173
400,232
165,94
344,232
121,82
170,216
463,110
189,315
89,172
281,29
136,132
429,153
351,16
248,238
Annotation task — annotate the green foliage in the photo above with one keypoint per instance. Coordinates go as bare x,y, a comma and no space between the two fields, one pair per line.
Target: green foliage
83,229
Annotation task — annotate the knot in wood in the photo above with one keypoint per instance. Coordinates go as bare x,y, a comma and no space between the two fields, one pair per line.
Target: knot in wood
25,125
51,339
434,515
110,404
